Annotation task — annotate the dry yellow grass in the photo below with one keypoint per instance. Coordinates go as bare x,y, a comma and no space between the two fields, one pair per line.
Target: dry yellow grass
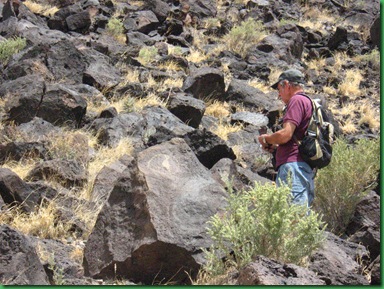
224,129
257,83
341,59
199,39
373,57
42,9
21,168
170,66
69,145
107,155
96,108
131,76
163,85
151,100
348,126
77,255
348,109
42,222
218,109
317,20
210,22
350,84
369,115
196,56
329,90
317,64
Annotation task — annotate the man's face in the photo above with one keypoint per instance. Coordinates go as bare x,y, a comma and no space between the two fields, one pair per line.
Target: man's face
283,90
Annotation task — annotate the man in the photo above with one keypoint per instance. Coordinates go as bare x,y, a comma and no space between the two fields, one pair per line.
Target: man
290,166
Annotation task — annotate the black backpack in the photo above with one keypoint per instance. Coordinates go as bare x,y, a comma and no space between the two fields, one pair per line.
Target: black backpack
316,146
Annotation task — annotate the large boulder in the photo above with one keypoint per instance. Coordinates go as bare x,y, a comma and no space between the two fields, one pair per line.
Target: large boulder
29,96
106,178
152,227
208,147
19,262
22,97
205,83
101,75
68,173
146,21
240,92
189,109
66,62
265,271
19,150
61,105
111,130
14,191
336,264
364,227
162,125
375,32
31,60
287,44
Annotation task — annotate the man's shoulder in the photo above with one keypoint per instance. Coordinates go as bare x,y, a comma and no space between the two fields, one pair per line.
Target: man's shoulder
302,98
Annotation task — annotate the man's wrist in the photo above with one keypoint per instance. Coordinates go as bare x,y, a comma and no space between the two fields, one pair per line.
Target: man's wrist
265,141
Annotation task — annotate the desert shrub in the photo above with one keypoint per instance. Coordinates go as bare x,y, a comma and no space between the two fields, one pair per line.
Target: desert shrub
244,36
342,184
115,26
147,54
10,47
261,221
175,50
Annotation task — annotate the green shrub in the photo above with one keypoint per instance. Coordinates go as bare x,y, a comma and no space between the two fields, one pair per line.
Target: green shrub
342,184
129,105
115,26
10,47
147,54
242,37
261,221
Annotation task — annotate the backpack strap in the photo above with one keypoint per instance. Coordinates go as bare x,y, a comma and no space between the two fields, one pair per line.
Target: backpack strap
312,130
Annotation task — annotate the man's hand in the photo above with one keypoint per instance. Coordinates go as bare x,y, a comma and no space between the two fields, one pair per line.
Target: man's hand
265,145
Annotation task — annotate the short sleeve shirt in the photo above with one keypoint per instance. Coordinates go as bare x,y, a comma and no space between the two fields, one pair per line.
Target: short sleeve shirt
298,112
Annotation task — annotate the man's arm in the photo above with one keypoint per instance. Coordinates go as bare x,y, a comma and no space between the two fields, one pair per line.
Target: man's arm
282,136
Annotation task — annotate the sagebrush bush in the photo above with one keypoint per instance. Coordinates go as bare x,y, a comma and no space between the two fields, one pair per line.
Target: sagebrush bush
115,26
244,36
261,221
147,54
345,181
10,47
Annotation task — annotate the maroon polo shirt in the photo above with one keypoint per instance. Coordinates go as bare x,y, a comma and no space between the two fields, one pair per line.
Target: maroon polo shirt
298,112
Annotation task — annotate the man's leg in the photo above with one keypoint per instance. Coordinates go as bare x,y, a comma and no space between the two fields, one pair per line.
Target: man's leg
299,176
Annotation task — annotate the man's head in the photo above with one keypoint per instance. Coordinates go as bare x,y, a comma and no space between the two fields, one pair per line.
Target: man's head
291,75
289,83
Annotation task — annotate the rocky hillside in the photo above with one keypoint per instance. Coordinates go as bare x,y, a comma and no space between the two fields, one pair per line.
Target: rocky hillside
121,121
